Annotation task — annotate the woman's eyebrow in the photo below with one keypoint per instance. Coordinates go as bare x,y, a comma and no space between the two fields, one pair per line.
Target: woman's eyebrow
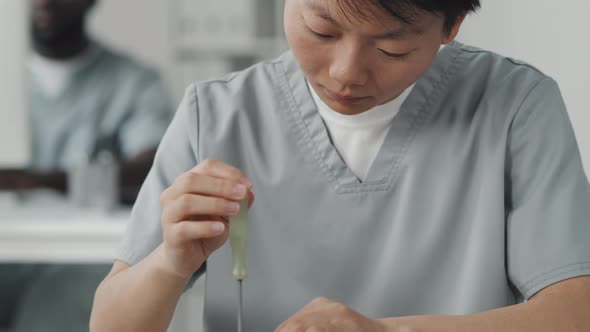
397,34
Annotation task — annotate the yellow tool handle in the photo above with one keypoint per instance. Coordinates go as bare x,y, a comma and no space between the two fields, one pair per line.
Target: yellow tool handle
238,237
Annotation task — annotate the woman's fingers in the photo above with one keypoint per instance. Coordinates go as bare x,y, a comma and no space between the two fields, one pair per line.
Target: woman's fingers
187,230
218,169
194,205
210,178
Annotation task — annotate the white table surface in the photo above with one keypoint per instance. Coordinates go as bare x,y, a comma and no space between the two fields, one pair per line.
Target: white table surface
45,227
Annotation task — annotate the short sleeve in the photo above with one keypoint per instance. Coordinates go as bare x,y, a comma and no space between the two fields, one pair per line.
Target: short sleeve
175,155
548,195
152,110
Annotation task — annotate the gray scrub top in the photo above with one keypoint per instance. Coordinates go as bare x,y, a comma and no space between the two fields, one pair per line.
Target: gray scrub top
476,200
113,101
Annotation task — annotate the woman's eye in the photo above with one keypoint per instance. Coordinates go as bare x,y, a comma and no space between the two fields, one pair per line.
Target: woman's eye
319,35
395,55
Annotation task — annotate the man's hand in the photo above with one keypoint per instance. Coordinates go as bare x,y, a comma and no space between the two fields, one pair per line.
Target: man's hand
325,315
18,179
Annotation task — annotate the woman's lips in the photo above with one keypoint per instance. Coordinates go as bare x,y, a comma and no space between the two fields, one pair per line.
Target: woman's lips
344,99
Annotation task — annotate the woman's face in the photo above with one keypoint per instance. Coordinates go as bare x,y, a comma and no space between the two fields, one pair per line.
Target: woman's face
356,62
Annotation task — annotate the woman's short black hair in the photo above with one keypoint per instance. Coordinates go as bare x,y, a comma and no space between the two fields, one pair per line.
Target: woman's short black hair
407,10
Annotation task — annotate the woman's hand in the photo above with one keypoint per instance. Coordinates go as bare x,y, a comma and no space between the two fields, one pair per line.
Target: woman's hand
196,211
325,315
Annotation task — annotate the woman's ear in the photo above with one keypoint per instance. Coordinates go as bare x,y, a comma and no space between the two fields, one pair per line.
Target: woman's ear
454,31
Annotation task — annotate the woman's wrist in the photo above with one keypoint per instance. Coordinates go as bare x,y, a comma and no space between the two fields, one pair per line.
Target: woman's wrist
165,265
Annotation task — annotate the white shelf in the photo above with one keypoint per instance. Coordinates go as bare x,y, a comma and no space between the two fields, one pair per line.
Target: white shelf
261,48
91,242
211,38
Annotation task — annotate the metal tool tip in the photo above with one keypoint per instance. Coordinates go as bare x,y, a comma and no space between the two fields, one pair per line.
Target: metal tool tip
240,313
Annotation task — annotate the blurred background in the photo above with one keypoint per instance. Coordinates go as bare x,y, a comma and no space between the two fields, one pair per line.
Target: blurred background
88,87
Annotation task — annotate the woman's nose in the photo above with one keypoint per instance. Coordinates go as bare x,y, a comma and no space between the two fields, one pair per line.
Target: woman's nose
348,67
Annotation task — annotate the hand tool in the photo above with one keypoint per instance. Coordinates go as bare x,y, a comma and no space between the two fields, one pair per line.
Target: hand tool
238,236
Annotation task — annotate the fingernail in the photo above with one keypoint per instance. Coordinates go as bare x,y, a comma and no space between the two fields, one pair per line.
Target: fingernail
247,182
239,190
218,227
232,207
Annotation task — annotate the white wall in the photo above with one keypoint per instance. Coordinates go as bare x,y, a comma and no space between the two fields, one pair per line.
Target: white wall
551,35
14,136
150,31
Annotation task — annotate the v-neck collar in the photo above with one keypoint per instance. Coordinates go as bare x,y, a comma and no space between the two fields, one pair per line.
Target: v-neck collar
314,136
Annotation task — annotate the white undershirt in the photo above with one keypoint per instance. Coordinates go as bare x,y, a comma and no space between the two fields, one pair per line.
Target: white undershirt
53,76
359,137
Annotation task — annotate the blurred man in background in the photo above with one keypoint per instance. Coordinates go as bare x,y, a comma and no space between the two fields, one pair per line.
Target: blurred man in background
83,99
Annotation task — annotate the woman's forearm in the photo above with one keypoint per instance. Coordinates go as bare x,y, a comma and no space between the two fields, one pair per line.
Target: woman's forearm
142,297
561,307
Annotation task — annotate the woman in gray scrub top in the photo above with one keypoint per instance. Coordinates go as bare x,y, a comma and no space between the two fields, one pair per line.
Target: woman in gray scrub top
399,187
